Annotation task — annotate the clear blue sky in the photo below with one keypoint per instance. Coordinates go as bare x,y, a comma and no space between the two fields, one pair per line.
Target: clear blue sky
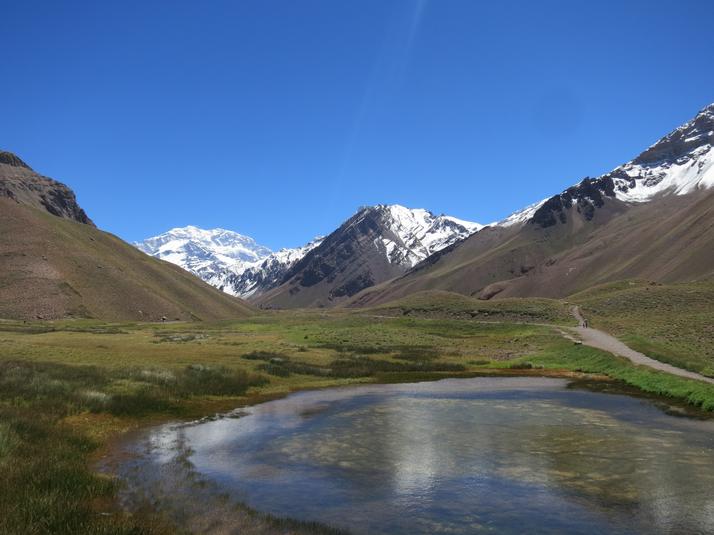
279,118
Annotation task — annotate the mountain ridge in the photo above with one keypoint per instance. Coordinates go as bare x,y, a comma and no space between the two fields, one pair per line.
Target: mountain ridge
375,244
524,254
412,235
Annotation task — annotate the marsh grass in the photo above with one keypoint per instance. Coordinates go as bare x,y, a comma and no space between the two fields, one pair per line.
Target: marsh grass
589,360
359,366
129,392
353,366
45,485
447,305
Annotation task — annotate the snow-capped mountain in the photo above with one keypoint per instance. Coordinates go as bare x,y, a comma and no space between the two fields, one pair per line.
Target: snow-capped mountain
256,278
681,162
239,266
210,254
374,245
411,235
651,218
225,259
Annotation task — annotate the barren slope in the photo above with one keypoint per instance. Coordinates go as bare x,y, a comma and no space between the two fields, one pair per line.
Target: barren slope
670,239
54,263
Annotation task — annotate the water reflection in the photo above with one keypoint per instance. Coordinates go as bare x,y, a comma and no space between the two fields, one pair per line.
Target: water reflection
502,455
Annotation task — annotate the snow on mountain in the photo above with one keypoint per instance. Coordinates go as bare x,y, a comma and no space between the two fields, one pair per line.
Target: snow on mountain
265,274
411,235
225,259
679,163
521,216
239,266
206,253
376,244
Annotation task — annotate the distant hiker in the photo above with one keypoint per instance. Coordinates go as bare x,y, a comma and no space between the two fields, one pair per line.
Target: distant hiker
585,323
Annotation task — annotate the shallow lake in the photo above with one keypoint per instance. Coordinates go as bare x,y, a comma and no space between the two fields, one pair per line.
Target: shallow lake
482,455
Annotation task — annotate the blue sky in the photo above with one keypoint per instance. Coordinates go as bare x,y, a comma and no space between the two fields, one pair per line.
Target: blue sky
279,118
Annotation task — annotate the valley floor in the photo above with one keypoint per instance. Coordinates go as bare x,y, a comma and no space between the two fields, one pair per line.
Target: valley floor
68,389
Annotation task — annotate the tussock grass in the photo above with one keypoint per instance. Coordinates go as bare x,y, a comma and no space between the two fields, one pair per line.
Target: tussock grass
46,486
353,366
448,305
132,392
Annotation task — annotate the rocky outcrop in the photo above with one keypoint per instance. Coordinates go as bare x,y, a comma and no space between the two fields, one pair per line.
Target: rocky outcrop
23,185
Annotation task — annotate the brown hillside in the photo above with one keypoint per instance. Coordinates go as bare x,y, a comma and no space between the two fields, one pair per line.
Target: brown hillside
670,239
52,267
55,264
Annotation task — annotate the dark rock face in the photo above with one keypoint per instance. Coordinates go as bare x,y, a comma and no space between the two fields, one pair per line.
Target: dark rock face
588,195
354,285
376,244
21,184
8,158
335,253
350,259
682,141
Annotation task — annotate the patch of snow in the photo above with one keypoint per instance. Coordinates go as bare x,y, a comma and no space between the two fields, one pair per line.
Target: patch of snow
521,216
265,274
414,234
237,265
685,175
205,253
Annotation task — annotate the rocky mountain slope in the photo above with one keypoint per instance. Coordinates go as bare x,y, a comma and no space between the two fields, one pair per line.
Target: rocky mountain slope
259,277
374,245
681,162
652,217
21,184
55,264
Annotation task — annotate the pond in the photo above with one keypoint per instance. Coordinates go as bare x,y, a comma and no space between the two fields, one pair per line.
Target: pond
481,455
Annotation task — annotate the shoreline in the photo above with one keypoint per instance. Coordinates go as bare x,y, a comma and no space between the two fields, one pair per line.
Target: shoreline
113,452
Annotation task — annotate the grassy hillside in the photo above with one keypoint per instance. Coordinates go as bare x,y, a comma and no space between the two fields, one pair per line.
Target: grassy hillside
52,267
452,305
670,322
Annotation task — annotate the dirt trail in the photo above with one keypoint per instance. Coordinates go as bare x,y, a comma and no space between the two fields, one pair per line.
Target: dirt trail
601,340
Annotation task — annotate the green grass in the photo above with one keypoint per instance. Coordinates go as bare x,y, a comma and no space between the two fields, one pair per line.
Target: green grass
46,486
673,323
439,304
589,360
